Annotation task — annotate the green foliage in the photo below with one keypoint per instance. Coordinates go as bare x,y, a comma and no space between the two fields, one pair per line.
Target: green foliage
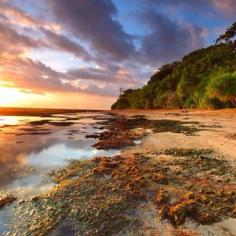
205,78
223,87
228,35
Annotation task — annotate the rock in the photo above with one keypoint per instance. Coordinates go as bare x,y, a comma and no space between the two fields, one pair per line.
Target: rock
92,136
35,198
8,199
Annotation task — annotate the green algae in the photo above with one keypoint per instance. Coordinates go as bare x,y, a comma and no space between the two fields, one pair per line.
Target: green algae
99,196
175,126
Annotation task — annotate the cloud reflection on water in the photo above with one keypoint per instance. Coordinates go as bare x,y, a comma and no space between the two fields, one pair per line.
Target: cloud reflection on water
25,156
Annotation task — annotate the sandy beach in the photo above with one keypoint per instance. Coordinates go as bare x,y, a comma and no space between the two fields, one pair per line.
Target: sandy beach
220,136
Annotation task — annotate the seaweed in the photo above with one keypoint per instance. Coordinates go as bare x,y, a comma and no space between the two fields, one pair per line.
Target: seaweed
100,195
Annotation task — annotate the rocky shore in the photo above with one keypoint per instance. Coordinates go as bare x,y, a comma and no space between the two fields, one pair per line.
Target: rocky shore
175,175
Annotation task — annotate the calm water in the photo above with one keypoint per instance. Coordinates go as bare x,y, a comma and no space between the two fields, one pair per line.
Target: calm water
33,146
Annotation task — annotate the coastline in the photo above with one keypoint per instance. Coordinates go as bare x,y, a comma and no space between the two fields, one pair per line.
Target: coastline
220,136
11,111
173,168
14,111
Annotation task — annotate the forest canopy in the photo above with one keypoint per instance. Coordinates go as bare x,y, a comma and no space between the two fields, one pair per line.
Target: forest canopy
205,78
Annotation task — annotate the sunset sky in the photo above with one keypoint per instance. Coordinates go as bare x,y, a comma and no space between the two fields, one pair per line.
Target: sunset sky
79,53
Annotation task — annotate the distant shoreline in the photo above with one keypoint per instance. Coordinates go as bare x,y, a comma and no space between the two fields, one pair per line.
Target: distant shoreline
11,111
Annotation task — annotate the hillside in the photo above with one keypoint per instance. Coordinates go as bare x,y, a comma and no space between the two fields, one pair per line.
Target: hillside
205,78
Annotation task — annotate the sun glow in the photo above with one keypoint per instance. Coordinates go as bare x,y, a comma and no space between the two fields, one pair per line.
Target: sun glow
10,96
13,97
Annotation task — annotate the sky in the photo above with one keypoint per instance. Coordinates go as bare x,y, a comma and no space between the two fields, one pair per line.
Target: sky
79,53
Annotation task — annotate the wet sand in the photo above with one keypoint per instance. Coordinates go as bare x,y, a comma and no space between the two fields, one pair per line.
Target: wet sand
219,136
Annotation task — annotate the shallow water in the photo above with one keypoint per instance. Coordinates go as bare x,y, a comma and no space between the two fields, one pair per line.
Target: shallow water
30,149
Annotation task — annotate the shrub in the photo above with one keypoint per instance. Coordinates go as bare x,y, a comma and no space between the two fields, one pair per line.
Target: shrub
223,88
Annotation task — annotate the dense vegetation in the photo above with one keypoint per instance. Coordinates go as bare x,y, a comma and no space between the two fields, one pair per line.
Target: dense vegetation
205,78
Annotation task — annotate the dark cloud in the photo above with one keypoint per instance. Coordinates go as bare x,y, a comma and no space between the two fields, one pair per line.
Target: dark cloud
104,91
89,74
93,22
12,40
111,75
63,43
168,40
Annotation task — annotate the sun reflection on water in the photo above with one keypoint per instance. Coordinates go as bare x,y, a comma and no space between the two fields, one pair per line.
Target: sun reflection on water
15,120
9,120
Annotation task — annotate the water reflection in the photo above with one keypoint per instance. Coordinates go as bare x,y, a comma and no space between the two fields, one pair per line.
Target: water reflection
25,155
15,120
27,187
31,148
61,154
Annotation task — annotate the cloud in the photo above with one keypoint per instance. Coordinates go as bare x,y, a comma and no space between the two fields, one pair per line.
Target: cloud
93,22
14,43
63,43
102,91
39,78
168,40
107,74
29,74
18,15
92,31
20,18
228,7
35,77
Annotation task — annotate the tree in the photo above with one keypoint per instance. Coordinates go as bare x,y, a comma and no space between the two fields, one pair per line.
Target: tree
223,87
228,35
